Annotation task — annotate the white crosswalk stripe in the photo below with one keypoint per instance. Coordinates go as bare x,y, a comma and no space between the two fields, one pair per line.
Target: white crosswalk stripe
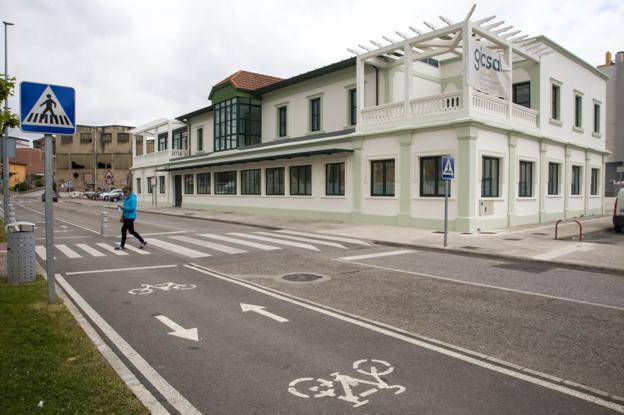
41,251
276,241
325,236
240,242
110,248
376,255
177,249
137,250
298,238
69,253
89,250
208,244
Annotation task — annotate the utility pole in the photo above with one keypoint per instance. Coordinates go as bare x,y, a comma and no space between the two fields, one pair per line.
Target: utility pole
5,150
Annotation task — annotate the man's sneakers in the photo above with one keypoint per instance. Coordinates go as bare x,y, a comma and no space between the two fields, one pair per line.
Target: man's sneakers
143,245
120,248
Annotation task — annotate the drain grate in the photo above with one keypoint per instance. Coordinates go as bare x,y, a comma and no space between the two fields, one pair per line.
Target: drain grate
301,277
512,239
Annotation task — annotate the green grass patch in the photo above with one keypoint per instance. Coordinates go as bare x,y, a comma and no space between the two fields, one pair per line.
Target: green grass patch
2,231
45,356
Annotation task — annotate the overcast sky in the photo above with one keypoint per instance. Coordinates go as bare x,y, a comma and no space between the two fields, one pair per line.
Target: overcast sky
132,61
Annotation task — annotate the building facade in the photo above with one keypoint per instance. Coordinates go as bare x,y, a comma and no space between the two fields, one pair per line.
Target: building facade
614,123
362,139
84,159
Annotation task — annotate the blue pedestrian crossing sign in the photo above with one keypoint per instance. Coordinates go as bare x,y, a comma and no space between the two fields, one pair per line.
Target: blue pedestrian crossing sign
48,109
448,168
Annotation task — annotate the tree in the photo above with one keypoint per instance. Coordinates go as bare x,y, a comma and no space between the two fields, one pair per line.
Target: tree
7,118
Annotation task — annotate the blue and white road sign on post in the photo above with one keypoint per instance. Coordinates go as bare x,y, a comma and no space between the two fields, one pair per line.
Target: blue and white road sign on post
448,168
48,109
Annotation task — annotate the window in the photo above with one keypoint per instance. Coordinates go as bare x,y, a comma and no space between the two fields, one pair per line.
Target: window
250,182
203,183
150,185
382,181
525,185
594,182
138,185
301,180
315,114
189,184
86,138
275,181
162,141
335,179
106,137
553,178
555,113
352,106
179,139
431,183
489,177
596,118
521,94
578,111
161,184
123,137
576,180
200,140
281,115
237,123
225,183
67,138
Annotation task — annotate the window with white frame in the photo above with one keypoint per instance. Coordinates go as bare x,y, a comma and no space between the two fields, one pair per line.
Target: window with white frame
161,184
382,177
553,178
335,179
431,182
250,182
189,184
200,139
596,117
274,181
595,183
203,183
282,121
525,182
138,185
578,110
301,180
576,180
555,100
490,174
315,114
225,182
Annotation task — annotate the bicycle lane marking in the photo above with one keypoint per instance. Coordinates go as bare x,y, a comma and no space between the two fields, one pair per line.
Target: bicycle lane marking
477,359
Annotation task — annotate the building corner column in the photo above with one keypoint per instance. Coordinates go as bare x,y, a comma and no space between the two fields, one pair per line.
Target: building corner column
512,142
466,168
542,187
356,212
404,217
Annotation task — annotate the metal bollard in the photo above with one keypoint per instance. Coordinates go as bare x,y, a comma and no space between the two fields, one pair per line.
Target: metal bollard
103,223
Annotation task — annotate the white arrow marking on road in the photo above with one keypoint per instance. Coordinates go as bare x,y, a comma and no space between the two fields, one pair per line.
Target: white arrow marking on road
189,334
261,310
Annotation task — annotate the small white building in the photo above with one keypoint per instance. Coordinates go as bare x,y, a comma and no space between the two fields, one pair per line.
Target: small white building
362,139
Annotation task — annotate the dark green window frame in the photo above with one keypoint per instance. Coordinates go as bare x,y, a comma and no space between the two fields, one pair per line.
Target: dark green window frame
315,114
161,184
382,177
553,179
555,113
525,184
138,186
179,139
189,184
521,94
595,174
301,180
162,141
490,175
353,106
200,139
203,183
250,181
237,123
596,118
225,182
575,188
431,182
282,121
274,181
578,111
335,179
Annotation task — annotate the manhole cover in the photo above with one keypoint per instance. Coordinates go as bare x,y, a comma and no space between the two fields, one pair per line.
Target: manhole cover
301,277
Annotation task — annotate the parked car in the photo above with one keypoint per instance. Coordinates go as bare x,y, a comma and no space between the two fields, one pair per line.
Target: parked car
88,194
96,195
618,211
54,197
114,195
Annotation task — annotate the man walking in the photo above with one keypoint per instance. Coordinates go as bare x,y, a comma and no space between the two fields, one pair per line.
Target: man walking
128,217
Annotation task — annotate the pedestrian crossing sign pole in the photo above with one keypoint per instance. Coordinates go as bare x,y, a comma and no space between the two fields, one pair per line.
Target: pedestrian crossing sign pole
448,173
48,109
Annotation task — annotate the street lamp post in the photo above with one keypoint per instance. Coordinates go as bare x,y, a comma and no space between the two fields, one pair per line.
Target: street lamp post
5,150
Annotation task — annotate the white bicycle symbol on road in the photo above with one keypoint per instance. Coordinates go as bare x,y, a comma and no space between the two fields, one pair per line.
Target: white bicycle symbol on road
165,286
319,388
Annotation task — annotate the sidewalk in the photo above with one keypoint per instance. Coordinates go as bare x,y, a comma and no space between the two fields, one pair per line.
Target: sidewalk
527,243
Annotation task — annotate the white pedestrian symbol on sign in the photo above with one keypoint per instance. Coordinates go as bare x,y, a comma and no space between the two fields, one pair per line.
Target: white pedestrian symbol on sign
48,112
448,169
319,388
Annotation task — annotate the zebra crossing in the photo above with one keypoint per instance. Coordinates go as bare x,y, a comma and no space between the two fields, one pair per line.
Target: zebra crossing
208,244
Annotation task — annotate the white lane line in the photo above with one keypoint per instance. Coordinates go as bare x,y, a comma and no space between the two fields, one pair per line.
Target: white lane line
67,237
111,248
275,241
99,271
137,250
149,373
240,242
208,244
298,238
476,284
376,255
465,355
163,233
176,249
324,236
69,253
581,247
41,251
89,250
61,220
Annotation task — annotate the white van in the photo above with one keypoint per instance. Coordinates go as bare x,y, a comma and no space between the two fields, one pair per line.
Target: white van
618,211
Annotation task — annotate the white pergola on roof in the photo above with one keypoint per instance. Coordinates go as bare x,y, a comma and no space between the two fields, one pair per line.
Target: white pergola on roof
446,42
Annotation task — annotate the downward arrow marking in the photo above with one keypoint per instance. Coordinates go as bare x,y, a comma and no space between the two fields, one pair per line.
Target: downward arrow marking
261,310
179,331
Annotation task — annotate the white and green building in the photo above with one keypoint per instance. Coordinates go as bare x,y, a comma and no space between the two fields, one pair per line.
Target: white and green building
362,139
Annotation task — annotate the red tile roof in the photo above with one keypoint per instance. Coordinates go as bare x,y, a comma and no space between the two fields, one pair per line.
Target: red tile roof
249,81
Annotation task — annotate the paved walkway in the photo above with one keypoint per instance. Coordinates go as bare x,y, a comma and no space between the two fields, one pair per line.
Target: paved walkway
531,242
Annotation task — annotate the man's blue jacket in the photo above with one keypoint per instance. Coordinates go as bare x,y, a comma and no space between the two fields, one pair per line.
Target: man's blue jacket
129,207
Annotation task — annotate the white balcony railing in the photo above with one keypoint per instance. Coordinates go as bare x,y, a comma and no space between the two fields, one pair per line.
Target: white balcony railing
444,103
524,114
176,152
382,113
489,104
158,157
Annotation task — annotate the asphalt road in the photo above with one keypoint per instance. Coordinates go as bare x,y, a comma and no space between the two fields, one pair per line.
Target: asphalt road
382,331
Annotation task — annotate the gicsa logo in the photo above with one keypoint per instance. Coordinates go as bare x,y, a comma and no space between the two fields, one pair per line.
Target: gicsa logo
482,59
